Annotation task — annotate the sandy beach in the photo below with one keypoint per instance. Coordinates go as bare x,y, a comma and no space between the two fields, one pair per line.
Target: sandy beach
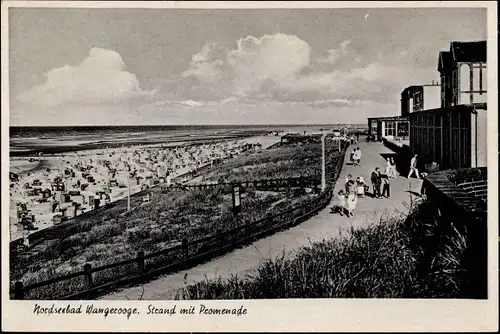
50,188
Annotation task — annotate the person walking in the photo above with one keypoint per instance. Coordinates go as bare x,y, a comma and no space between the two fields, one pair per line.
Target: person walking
355,157
376,182
341,203
360,187
394,172
352,200
388,168
347,179
386,186
359,156
413,167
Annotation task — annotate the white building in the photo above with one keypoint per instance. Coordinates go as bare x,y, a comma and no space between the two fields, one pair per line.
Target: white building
463,74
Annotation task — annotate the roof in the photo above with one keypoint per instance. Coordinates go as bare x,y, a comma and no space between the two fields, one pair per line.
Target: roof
465,200
472,107
390,118
445,59
468,51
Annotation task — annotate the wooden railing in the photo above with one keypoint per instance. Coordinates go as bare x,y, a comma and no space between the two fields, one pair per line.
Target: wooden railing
262,184
91,282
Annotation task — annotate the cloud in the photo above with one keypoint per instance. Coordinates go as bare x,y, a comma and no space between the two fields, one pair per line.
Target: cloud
101,78
282,68
333,55
255,64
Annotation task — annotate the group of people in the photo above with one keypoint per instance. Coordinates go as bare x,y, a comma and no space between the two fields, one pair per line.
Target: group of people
356,155
354,189
348,198
381,183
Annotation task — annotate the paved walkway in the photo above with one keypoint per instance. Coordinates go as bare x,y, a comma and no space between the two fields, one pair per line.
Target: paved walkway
323,225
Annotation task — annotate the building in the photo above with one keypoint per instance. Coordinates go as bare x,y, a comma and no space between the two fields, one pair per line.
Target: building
420,97
463,74
391,127
453,137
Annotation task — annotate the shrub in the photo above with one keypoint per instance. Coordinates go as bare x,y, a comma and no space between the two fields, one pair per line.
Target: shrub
403,257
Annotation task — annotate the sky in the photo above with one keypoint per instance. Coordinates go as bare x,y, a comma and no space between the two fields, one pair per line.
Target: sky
224,66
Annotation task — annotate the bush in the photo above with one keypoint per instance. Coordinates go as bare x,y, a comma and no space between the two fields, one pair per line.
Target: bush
405,257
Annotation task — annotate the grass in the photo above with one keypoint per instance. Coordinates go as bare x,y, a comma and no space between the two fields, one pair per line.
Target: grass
412,256
281,162
160,224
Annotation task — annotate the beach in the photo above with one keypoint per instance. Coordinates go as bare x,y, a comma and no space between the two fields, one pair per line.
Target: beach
46,189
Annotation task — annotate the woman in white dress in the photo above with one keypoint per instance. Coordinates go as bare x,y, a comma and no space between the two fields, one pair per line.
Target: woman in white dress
394,173
352,200
388,168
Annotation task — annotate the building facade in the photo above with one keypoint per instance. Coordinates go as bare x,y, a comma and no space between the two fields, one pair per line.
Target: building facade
453,137
420,97
395,127
463,74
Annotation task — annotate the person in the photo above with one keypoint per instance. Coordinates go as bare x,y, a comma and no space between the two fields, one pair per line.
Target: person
351,186
347,179
413,167
386,186
376,182
360,187
341,207
352,200
394,172
354,156
388,167
359,156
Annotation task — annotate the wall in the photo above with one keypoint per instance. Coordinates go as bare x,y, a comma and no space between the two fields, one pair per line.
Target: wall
432,97
444,136
482,150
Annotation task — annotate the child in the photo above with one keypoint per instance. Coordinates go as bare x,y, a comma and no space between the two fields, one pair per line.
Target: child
341,202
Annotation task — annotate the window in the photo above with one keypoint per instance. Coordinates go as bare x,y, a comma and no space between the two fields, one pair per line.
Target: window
390,129
402,129
476,77
483,79
465,78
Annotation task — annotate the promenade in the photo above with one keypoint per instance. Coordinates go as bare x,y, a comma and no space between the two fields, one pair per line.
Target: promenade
324,225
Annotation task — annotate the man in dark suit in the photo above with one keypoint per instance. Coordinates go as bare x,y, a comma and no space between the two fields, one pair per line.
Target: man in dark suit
376,181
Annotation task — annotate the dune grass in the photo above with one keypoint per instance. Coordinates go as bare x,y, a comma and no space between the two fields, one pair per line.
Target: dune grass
411,256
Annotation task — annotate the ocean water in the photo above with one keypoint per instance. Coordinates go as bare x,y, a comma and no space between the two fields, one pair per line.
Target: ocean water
25,141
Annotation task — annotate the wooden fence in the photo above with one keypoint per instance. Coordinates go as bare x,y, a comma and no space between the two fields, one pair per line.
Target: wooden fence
91,282
277,184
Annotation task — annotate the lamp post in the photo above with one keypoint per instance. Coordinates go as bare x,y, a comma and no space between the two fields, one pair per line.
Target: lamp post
323,163
128,193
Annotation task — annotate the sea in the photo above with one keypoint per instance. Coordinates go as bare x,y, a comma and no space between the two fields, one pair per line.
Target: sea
28,141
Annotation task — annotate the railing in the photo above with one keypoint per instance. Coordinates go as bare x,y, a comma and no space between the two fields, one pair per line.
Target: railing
91,282
268,184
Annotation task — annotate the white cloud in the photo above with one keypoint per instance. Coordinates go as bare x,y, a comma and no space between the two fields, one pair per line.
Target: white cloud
99,79
333,55
280,67
256,61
